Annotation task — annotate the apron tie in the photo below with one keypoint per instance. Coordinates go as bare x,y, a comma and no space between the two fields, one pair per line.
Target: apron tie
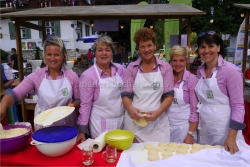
199,105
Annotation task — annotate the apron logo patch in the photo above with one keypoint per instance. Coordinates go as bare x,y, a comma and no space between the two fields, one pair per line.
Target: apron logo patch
175,101
65,92
210,94
120,86
156,85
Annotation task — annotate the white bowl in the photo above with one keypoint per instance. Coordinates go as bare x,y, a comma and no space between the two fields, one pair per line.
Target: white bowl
54,149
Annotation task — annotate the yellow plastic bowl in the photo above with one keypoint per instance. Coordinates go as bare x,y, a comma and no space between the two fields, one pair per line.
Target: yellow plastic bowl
121,139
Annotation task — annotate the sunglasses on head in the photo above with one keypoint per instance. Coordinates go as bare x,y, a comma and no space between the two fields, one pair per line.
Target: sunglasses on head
207,32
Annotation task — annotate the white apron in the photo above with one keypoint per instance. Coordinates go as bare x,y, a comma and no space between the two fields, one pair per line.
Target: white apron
54,93
178,115
148,89
214,112
107,111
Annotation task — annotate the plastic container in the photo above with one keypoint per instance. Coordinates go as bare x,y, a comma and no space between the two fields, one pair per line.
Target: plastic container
120,139
14,144
55,141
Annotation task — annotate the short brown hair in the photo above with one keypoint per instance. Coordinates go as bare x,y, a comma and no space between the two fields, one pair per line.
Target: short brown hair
144,34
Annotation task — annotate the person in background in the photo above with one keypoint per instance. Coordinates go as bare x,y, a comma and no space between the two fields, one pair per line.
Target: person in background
14,59
8,80
220,93
182,114
54,84
89,55
100,93
79,59
148,89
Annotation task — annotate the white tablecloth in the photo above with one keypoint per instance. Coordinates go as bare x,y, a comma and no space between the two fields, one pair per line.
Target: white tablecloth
211,157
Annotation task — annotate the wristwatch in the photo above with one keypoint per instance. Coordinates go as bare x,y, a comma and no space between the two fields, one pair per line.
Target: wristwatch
191,133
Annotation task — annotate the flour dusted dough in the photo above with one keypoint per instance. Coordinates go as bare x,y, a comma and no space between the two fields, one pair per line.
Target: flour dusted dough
184,145
12,132
160,148
217,146
149,146
166,156
197,146
172,149
153,157
207,146
173,144
142,121
164,144
52,115
166,153
152,151
181,151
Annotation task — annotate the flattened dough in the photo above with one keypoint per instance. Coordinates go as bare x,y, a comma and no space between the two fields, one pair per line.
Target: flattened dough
164,144
217,146
207,146
142,121
152,151
166,156
149,146
184,145
181,151
171,149
194,150
166,153
153,157
173,144
197,146
160,148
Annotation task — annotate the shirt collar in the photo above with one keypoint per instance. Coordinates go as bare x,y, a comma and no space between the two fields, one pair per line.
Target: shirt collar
113,66
158,62
63,69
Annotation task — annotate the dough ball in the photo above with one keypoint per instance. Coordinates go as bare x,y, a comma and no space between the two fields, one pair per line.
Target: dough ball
160,148
217,146
166,156
171,149
196,146
153,157
149,146
184,145
152,151
142,121
181,151
194,150
166,153
164,144
173,144
207,146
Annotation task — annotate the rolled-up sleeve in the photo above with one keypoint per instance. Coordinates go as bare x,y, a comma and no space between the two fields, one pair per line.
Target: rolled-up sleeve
193,100
168,80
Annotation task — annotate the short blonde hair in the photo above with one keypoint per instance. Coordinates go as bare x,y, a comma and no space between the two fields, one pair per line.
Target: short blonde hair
178,50
56,41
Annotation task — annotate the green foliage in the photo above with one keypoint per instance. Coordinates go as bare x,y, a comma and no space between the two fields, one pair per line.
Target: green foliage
4,54
37,53
159,30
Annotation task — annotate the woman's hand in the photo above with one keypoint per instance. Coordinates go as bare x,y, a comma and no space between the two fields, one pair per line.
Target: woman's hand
134,113
152,115
71,105
189,139
230,143
80,137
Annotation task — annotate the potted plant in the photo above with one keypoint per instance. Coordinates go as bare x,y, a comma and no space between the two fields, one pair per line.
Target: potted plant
37,53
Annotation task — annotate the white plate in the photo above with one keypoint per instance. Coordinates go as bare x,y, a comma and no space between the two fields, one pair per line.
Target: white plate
52,115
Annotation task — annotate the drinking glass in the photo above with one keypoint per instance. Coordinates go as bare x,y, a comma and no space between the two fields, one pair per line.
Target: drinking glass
110,154
87,155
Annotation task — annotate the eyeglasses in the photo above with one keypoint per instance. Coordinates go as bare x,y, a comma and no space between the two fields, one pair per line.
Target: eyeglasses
207,32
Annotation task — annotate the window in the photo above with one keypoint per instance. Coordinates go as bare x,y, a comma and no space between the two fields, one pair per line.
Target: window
79,30
23,32
50,27
93,32
86,30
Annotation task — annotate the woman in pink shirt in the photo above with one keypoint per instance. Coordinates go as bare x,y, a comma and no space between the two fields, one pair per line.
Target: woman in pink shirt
220,94
182,114
54,84
100,93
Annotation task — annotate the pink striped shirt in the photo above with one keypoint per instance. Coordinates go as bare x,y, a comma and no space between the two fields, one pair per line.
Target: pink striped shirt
230,81
90,89
34,80
189,94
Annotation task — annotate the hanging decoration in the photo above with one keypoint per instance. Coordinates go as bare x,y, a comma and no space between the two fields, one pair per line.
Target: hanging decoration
70,2
19,3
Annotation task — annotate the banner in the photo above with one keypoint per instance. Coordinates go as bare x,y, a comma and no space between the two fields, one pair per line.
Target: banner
106,25
238,55
136,25
171,26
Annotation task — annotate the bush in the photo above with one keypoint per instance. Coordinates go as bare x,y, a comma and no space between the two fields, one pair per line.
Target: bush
4,54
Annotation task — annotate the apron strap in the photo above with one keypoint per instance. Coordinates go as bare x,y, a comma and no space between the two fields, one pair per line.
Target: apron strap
181,84
98,75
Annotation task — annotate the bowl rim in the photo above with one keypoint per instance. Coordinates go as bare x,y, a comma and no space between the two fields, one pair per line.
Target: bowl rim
17,137
54,142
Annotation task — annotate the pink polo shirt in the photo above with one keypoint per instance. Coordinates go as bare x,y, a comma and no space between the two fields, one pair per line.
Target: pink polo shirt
230,81
34,80
189,94
90,90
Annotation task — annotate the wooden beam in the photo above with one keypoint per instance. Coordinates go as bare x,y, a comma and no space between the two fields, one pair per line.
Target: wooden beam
184,23
180,31
188,39
20,64
31,25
